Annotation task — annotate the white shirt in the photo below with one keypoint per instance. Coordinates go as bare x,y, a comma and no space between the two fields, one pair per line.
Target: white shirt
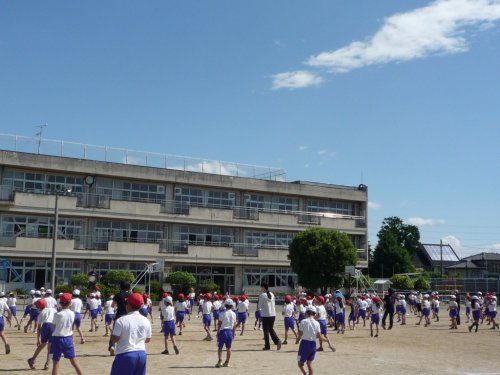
93,303
363,305
267,305
133,330
375,309
227,319
242,307
302,309
3,308
403,304
321,311
76,305
492,306
310,329
63,322
11,301
453,305
288,310
426,304
108,307
207,307
217,305
167,312
47,315
181,306
192,295
51,302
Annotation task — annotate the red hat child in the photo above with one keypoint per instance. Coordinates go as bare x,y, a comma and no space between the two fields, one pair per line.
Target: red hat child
135,300
41,304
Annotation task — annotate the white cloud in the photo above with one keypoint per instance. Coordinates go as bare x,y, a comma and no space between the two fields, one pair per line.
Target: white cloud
374,205
295,80
438,28
496,246
303,148
322,152
453,241
420,221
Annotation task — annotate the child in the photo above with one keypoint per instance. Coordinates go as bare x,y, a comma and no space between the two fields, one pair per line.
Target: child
76,307
426,311
289,312
180,312
362,306
11,302
330,310
321,318
468,305
99,305
225,332
403,310
168,314
352,314
50,300
109,314
435,309
192,296
62,336
492,309
476,313
375,318
309,332
217,305
149,305
453,309
33,311
207,316
4,309
93,303
45,319
340,314
242,313
144,309
302,309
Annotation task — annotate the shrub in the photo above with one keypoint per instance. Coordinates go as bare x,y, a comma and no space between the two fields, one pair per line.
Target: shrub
79,280
401,282
107,290
181,281
113,277
63,289
421,283
209,287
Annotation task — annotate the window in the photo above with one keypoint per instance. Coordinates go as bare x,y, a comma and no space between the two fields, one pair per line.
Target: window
271,202
39,227
330,206
203,235
40,182
130,191
269,239
123,231
198,197
275,277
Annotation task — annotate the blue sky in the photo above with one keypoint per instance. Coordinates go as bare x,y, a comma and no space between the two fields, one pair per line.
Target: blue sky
400,95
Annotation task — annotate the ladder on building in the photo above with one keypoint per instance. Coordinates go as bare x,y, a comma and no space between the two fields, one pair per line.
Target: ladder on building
5,267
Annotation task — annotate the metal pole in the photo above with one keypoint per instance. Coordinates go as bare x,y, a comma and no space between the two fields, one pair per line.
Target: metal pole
54,239
441,249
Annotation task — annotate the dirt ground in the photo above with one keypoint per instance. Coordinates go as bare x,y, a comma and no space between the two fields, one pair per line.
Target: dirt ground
406,349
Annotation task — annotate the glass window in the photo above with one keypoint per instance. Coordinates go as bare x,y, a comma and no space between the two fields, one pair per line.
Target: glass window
331,206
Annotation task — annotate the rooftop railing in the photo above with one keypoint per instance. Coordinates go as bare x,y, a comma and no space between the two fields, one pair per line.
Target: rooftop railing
52,147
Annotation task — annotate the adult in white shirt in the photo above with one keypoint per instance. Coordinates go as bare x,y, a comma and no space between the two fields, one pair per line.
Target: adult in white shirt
130,334
4,309
267,307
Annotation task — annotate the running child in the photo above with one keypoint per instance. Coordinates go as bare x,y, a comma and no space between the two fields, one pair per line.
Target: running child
207,309
76,307
11,302
45,327
468,305
435,309
302,310
93,303
109,314
375,317
4,310
453,311
362,306
492,309
426,311
225,332
62,336
321,318
217,305
340,314
168,313
476,313
403,310
352,313
242,313
309,332
144,308
289,319
180,312
33,312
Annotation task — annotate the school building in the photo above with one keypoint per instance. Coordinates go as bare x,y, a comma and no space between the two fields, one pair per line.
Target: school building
120,209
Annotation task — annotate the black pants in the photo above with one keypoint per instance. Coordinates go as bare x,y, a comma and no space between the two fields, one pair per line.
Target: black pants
389,312
268,327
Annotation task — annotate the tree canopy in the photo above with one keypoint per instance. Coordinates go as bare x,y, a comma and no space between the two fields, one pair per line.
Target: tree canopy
389,257
319,256
407,236
181,281
401,282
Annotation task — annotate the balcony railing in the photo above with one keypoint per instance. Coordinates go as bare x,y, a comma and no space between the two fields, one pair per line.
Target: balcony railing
308,219
6,193
174,207
8,241
245,213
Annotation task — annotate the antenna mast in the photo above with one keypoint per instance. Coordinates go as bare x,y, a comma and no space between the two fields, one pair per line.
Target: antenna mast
39,135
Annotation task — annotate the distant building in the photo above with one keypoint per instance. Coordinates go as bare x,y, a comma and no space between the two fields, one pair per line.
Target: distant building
430,257
482,265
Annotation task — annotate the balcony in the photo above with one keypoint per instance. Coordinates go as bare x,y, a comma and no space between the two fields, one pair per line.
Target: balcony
34,245
6,194
244,213
92,201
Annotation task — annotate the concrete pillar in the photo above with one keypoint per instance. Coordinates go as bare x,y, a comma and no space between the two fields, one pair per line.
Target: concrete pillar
238,279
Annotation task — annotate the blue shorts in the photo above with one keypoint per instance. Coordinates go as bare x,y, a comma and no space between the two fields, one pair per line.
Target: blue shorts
352,316
362,314
375,318
207,320
331,313
289,323
144,311
168,328
476,315
46,332
33,315
78,320
403,311
179,316
13,310
302,316
467,310
2,324
108,319
322,325
131,363
26,311
94,313
216,315
242,317
99,309
436,310
191,302
426,312
340,318
62,346
258,315
225,338
307,351
453,313
493,314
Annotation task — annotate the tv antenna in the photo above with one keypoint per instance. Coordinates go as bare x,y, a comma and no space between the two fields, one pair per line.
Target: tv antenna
39,134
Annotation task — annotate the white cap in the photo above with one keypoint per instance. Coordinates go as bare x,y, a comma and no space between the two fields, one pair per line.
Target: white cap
229,302
480,293
453,297
403,296
48,291
493,297
76,292
92,295
311,308
169,299
475,297
42,288
98,294
32,291
38,293
426,296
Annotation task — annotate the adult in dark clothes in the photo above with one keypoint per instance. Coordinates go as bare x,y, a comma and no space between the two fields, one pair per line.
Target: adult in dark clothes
120,301
389,302
267,307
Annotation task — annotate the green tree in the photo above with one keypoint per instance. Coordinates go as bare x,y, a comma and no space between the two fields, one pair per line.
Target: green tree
319,256
181,281
407,236
389,257
113,277
401,282
421,283
79,280
209,286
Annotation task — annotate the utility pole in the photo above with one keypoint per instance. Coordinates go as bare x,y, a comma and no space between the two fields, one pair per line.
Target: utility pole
54,239
39,135
441,249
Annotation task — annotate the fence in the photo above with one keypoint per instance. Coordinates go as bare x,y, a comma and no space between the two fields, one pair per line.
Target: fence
466,285
60,148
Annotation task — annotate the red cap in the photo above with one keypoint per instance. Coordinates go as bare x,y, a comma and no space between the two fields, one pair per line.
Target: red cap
288,299
321,299
339,299
208,296
135,300
145,296
235,299
65,298
41,304
243,297
164,295
180,296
